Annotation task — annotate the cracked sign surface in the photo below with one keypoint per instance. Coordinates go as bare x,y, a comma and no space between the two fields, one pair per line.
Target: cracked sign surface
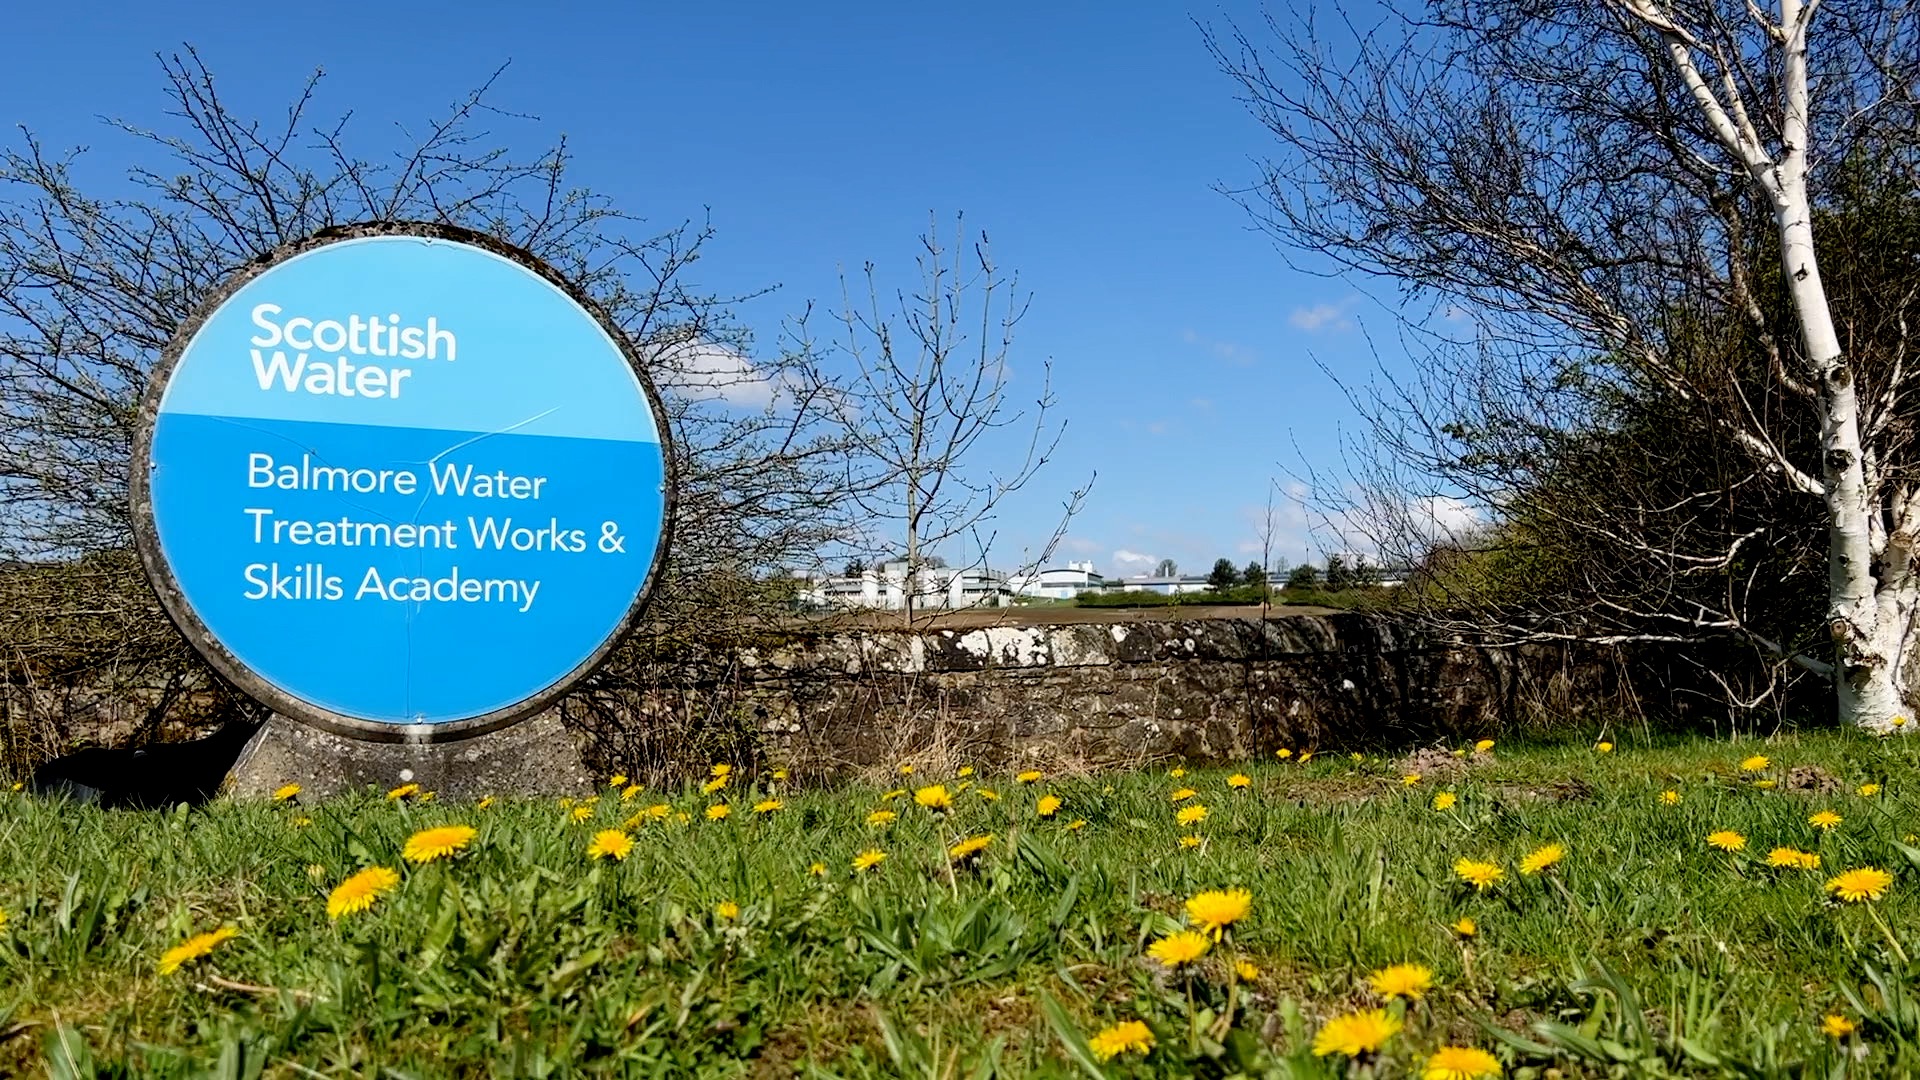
406,480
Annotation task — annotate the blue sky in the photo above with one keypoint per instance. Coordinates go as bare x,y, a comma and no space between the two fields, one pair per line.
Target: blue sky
1086,139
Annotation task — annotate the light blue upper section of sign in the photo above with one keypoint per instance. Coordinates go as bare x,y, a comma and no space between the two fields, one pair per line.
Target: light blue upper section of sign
511,353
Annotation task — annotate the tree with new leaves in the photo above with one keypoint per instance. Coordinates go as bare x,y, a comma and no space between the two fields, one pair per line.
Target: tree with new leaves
1223,576
1618,204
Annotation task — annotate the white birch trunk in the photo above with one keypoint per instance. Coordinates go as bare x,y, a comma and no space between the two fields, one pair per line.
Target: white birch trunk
1870,584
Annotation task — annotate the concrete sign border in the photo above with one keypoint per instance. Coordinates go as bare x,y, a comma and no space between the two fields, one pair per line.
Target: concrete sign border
174,602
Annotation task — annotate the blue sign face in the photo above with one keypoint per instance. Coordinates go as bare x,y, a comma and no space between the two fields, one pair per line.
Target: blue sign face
405,480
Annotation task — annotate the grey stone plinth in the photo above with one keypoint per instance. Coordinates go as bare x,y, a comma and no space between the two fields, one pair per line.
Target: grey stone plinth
534,757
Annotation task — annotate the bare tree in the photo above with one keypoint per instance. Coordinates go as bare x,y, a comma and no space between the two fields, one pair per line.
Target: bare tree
1600,188
92,286
929,394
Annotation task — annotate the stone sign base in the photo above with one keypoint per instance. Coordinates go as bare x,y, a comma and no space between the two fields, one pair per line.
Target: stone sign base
534,757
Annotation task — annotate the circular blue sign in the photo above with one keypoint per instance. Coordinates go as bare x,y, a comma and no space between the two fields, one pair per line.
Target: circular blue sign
402,480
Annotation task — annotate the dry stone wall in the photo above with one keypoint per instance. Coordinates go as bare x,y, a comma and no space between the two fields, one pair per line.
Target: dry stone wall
1125,692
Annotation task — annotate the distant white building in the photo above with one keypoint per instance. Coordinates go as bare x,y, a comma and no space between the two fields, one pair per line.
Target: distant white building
1059,583
885,587
1167,586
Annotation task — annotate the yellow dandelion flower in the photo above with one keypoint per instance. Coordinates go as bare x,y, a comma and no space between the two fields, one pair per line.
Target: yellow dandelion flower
1869,790
1131,1036
767,806
1824,820
1191,815
1048,805
1176,772
1466,927
1793,859
659,811
1604,747
881,817
934,797
1865,883
581,813
720,771
1542,858
301,822
964,772
1239,780
718,811
1727,840
1410,779
1460,1063
1216,909
1899,721
1756,763
402,792
1483,746
610,844
1076,824
1031,776
780,774
358,892
628,793
1669,798
484,803
441,842
1445,800
566,802
194,948
988,794
726,909
1355,1033
285,792
713,785
1305,756
1462,752
617,780
1766,785
1283,753
1481,875
1180,948
818,869
1190,840
868,859
1183,794
1410,981
1357,757
1835,1026
1246,970
968,848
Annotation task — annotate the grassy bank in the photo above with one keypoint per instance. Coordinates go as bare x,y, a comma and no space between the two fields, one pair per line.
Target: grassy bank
748,945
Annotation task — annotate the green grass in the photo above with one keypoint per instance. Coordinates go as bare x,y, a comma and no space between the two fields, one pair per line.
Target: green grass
1644,953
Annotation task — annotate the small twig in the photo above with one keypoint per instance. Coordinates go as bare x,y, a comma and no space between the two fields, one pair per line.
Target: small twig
18,1029
302,996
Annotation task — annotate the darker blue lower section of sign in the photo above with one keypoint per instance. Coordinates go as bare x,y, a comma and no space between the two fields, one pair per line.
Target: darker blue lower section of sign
404,575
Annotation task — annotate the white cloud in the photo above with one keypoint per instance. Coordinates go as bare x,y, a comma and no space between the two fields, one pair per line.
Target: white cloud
707,371
1231,351
1126,562
1321,317
1443,517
